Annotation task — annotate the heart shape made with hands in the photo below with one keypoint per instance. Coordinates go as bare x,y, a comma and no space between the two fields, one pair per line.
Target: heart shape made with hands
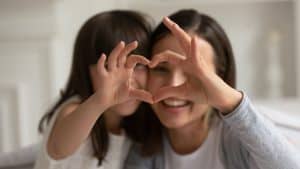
189,90
203,85
193,64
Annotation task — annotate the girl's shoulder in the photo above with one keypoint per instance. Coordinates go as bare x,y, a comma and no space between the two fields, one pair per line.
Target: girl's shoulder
63,110
67,108
84,154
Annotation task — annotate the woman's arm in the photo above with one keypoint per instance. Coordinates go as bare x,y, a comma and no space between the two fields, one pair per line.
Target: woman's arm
268,149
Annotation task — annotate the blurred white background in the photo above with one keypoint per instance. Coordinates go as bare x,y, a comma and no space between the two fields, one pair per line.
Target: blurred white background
37,36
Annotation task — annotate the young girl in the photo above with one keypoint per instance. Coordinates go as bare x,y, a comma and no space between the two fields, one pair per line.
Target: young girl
85,127
192,81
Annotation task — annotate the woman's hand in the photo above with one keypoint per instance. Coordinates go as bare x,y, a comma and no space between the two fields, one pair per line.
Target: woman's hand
116,74
210,88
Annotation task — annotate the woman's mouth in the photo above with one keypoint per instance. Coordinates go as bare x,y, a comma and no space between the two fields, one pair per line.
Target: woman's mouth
175,105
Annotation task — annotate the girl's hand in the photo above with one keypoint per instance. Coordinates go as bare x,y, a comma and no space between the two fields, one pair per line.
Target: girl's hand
210,88
116,74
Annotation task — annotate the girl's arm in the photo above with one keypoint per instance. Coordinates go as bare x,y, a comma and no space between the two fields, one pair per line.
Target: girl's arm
75,121
72,126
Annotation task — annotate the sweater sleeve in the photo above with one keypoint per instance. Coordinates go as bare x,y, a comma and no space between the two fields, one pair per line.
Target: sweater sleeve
135,160
268,149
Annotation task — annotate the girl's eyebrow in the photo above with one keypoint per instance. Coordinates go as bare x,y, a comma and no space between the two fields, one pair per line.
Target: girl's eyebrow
164,63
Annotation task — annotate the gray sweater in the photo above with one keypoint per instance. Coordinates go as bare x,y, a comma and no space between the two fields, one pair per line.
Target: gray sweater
248,141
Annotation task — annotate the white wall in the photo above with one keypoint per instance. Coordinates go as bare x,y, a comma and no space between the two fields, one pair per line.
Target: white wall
25,33
297,41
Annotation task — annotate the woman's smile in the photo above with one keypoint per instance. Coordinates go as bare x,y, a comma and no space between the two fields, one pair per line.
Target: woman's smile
174,105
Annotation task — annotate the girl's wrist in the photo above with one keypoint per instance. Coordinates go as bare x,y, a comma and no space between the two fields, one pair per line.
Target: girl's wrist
100,102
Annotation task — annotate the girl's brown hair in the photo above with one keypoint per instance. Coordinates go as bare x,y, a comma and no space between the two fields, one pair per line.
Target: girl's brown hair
100,34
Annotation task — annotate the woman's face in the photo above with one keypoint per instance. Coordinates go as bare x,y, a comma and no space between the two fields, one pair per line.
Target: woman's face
139,81
174,112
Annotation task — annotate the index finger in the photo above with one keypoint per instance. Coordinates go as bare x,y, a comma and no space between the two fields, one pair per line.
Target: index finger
183,37
166,56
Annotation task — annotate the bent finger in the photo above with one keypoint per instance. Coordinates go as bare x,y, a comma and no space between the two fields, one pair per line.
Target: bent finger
132,60
166,56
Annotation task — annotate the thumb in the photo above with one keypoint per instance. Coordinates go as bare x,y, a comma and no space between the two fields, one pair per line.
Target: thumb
171,91
140,94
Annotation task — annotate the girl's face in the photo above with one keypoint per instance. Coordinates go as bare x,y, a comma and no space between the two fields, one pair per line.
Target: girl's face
173,112
138,81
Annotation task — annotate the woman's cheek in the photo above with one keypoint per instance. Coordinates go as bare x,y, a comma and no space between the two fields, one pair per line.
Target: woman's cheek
155,82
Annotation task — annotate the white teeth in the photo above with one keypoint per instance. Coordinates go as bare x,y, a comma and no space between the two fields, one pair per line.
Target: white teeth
175,102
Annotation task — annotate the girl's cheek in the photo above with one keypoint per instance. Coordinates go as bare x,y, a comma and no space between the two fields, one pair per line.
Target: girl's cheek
141,77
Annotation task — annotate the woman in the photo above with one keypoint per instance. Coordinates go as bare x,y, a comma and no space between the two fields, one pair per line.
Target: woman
199,119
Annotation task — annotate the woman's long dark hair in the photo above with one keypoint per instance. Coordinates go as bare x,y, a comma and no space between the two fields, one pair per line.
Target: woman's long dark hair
207,28
100,34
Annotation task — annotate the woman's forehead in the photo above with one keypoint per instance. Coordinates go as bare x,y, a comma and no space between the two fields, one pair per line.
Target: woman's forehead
168,42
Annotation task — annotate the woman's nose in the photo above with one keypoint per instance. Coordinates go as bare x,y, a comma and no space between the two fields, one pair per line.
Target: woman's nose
177,78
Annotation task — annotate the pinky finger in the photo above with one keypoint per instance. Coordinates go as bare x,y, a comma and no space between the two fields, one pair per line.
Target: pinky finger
101,64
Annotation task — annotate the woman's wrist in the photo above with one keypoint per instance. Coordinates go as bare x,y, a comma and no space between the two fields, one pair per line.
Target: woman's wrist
231,102
100,102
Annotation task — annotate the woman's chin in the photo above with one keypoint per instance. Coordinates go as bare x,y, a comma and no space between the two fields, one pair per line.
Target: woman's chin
173,124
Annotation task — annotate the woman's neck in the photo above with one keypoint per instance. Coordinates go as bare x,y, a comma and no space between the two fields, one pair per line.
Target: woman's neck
113,122
187,139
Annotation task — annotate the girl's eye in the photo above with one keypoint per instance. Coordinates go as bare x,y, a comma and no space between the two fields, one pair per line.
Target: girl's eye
140,67
160,69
